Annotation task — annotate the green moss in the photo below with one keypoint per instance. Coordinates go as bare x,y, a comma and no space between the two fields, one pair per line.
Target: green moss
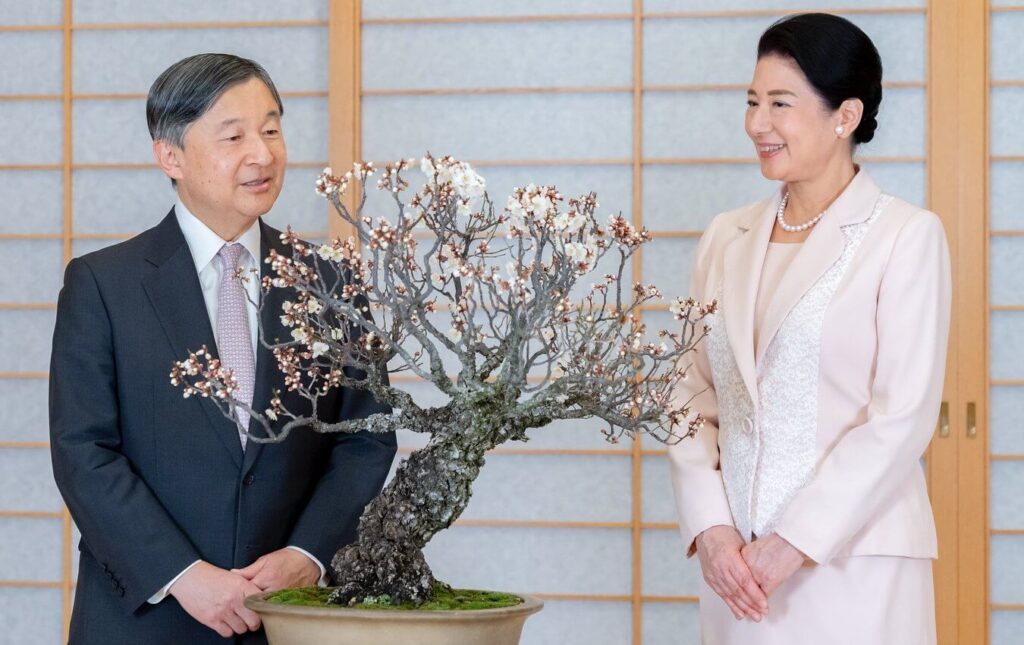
443,598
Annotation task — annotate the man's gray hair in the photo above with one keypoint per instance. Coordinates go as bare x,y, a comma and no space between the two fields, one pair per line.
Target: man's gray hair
187,89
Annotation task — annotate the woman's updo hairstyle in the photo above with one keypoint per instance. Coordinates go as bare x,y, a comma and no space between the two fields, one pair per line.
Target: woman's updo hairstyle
838,59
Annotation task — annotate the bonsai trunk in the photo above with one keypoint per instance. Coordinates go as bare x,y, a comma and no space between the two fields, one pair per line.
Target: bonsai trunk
428,493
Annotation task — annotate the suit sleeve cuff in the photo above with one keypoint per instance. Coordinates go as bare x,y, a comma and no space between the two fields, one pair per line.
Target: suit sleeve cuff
322,582
166,589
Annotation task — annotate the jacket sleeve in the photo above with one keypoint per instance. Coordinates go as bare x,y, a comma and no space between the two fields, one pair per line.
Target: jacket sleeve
870,462
694,463
124,525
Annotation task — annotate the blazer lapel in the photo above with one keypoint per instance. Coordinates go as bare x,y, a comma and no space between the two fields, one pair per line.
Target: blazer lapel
174,291
271,331
822,248
744,257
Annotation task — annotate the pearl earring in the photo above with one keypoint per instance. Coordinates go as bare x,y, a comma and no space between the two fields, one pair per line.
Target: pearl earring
840,130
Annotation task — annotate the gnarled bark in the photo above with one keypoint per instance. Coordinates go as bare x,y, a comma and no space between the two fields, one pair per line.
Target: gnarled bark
429,492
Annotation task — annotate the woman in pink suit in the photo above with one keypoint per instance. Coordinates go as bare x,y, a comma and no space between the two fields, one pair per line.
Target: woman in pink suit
821,377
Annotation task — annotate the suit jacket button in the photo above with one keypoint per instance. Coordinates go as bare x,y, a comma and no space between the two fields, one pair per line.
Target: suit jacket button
748,425
249,479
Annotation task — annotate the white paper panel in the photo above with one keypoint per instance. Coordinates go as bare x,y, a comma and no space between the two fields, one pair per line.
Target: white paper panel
599,53
34,62
667,570
687,197
581,561
1006,106
43,12
31,201
26,481
593,623
43,260
24,403
1006,195
1006,569
25,339
563,487
198,10
658,501
710,125
671,623
906,180
414,9
1007,60
516,127
120,201
667,262
130,60
1006,406
31,549
724,50
31,616
1006,262
1007,627
110,131
1006,506
1007,345
35,132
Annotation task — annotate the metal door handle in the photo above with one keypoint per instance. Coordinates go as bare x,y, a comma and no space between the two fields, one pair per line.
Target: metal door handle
972,426
943,426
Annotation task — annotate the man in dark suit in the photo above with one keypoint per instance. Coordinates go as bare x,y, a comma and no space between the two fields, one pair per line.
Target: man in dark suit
181,515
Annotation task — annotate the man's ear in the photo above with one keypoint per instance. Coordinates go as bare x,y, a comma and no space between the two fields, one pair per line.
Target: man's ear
168,158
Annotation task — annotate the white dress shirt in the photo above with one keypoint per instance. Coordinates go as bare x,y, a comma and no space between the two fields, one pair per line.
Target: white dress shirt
205,245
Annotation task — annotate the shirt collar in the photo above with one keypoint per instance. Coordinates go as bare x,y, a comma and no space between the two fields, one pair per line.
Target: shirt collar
205,244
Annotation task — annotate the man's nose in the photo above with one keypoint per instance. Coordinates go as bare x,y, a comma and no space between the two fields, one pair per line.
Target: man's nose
259,152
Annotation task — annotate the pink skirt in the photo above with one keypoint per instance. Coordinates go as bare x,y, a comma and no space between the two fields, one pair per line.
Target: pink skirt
863,600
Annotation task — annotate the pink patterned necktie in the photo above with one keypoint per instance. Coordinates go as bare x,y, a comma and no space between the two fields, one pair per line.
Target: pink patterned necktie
234,340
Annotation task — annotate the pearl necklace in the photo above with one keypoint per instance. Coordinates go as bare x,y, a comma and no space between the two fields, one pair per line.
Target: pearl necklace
789,228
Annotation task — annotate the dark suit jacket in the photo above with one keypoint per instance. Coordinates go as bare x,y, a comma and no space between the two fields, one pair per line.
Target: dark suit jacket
155,481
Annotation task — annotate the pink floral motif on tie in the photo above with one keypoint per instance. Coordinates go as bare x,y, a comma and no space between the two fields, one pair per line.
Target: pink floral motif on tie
234,339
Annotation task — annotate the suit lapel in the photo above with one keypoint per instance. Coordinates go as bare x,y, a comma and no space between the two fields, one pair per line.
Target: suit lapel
271,331
744,257
174,291
822,248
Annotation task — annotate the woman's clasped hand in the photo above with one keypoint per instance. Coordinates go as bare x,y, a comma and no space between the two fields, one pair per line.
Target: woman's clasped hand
744,575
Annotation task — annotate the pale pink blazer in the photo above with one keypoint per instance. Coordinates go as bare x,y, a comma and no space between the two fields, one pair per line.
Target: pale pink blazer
817,434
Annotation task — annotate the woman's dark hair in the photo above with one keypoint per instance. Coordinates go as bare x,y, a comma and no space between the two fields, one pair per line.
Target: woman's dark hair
838,59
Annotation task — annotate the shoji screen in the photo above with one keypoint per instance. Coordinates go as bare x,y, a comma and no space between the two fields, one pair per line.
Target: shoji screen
643,102
76,174
1006,332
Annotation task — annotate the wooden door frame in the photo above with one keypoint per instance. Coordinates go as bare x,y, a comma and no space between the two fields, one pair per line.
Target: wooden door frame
971,304
958,160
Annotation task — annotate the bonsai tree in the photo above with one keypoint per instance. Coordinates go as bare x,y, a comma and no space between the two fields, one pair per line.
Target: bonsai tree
487,304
